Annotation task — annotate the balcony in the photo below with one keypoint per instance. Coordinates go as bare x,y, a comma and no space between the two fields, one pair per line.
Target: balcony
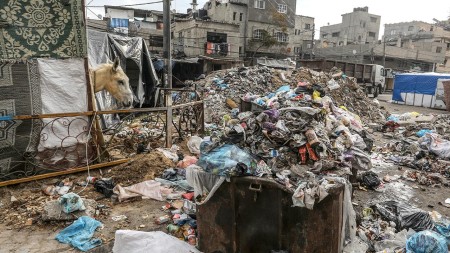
217,49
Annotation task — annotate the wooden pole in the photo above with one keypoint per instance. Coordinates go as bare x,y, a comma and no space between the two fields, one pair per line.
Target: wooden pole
64,172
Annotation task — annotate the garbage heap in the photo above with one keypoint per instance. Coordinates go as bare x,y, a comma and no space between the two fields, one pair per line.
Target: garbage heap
420,142
295,134
234,84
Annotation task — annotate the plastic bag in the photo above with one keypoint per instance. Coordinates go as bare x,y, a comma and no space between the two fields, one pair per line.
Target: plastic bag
187,161
423,132
405,216
79,234
436,144
194,144
129,241
220,160
105,187
332,84
370,179
71,202
426,242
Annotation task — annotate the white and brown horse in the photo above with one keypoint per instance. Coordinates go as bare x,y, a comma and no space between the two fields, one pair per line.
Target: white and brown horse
110,77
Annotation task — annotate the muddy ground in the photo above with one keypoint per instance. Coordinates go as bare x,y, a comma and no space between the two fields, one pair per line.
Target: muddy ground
17,236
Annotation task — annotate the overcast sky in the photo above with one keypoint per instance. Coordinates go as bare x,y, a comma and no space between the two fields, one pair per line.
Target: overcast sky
327,11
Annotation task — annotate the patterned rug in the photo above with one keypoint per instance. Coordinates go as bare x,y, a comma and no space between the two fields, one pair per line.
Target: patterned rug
20,95
42,28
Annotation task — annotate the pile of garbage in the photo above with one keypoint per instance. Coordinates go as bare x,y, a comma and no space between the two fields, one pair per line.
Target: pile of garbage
233,85
420,142
392,226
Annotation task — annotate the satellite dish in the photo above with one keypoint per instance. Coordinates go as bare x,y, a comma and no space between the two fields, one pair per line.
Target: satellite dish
354,51
99,16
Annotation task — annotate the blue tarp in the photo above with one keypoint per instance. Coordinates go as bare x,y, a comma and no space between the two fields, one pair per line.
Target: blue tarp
419,83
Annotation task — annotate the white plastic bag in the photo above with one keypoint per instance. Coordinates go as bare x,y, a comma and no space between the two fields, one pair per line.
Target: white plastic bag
129,241
194,144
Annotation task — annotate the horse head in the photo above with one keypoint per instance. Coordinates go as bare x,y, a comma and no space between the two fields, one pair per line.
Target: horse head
110,77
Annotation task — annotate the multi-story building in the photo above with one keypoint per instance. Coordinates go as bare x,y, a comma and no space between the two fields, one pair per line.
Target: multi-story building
289,33
421,37
303,35
215,43
357,27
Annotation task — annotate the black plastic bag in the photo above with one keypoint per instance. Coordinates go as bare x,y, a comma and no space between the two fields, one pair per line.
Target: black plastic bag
105,187
405,216
370,179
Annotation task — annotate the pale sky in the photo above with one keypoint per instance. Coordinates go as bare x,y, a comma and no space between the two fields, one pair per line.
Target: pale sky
326,11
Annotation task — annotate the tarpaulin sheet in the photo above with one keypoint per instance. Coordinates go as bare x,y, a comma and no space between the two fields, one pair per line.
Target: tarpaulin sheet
419,83
135,60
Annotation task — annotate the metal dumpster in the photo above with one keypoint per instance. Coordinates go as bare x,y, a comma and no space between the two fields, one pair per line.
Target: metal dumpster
254,215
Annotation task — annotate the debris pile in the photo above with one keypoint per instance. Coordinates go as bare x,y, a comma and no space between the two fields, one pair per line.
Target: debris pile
235,84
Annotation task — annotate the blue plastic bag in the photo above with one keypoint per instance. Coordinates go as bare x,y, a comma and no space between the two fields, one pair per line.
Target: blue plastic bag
426,242
285,88
423,132
79,234
222,159
444,230
71,202
392,118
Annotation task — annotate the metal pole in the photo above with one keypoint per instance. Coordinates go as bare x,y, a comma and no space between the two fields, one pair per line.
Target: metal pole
384,51
312,40
167,43
168,67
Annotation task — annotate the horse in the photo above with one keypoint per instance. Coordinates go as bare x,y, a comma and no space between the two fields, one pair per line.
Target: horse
110,77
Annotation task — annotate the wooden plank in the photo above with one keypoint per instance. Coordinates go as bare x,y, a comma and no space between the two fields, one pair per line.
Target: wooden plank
60,173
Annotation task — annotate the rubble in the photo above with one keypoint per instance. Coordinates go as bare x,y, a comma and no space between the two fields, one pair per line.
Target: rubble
53,211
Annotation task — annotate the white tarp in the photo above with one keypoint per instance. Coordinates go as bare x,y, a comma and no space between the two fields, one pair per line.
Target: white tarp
130,241
63,89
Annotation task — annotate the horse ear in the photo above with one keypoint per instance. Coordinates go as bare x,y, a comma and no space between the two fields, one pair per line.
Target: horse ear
116,64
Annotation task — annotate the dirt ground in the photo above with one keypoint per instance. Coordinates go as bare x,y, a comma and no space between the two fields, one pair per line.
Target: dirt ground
16,236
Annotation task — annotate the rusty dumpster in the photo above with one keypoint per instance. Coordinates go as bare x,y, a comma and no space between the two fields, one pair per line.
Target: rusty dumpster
254,215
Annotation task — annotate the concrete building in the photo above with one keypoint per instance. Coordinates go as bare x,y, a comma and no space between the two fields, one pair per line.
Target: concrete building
303,35
257,18
214,42
137,22
357,27
423,38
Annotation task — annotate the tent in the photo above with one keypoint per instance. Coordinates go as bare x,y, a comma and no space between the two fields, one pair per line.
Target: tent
418,89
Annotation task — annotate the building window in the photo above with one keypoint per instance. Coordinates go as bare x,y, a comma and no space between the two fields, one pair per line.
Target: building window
334,35
309,45
241,16
324,35
438,49
410,28
373,19
393,32
260,4
234,16
282,8
282,37
258,34
372,34
307,26
240,50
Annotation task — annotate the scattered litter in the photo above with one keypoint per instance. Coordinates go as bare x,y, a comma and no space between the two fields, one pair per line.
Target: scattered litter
79,234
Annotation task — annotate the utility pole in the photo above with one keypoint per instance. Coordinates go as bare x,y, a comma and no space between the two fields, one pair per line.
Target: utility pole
312,40
168,67
167,43
384,51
